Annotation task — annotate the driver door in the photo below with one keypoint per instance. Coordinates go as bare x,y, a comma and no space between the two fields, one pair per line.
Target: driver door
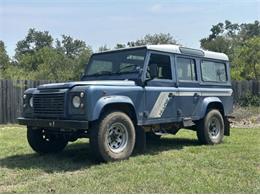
160,104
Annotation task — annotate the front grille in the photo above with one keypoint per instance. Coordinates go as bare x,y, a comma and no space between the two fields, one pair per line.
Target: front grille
49,105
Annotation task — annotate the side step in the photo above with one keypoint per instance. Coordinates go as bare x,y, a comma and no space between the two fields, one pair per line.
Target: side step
187,122
161,132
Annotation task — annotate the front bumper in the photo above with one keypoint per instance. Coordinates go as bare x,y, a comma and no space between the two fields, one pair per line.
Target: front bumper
51,123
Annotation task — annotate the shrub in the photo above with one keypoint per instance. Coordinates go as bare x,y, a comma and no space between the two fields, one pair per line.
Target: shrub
249,100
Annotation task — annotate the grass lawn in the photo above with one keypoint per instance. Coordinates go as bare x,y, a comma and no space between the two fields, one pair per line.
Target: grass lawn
175,164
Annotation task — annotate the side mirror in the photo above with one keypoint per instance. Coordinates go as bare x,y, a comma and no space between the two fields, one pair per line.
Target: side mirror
153,71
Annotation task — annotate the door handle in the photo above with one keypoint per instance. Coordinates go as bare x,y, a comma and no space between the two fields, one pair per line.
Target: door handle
170,95
196,95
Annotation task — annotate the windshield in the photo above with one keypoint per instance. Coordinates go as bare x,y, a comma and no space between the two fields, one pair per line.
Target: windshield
116,63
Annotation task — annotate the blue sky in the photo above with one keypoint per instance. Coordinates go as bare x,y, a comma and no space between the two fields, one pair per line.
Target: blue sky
100,22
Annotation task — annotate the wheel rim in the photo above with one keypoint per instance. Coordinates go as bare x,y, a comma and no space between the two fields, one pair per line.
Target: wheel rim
117,137
214,127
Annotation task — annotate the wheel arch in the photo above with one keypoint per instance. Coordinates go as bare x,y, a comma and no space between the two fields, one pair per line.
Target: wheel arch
212,103
124,107
215,103
119,103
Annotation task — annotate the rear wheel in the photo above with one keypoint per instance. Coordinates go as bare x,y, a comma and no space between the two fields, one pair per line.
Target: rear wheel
210,130
42,142
112,137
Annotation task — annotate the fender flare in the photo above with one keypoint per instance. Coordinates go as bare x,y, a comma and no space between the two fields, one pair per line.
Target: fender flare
205,103
104,101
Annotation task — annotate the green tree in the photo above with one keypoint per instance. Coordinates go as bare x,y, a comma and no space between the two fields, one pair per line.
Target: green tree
218,44
26,49
247,60
53,65
70,47
81,62
33,41
103,48
4,59
249,30
120,46
154,39
222,38
226,36
36,58
149,39
77,51
230,38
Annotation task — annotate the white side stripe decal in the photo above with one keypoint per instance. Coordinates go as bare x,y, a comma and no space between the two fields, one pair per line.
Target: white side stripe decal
160,105
204,93
163,99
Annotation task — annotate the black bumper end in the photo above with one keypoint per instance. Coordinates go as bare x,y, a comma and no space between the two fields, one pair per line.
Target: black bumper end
49,123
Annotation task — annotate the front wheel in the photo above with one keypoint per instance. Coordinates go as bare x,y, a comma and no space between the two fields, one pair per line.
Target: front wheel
112,137
42,142
210,130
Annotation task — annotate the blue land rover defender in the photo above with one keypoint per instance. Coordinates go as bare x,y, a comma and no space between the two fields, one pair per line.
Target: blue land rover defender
129,95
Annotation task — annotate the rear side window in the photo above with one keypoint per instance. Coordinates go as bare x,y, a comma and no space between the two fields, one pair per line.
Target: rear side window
213,71
186,69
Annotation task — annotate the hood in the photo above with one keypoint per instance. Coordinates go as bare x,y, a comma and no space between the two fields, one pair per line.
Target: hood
82,83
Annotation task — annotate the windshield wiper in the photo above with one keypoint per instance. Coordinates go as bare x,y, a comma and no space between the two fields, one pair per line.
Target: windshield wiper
129,66
127,72
104,73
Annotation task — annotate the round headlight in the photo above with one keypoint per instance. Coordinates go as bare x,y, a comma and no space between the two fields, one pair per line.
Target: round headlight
31,102
76,101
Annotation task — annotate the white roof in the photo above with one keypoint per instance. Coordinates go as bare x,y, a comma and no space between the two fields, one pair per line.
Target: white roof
176,49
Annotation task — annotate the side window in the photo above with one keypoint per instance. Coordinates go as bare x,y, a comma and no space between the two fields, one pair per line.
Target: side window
186,69
213,71
164,66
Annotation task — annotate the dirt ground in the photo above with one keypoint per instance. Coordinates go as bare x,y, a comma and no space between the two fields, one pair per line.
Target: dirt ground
246,117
